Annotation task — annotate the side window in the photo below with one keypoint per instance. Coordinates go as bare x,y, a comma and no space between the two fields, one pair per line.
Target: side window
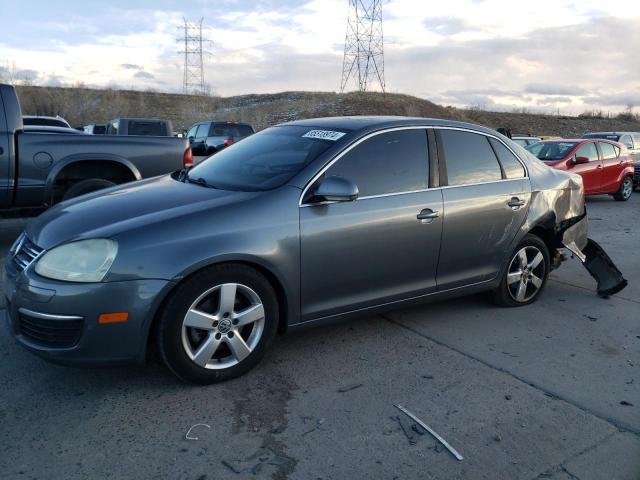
626,141
469,158
192,131
608,151
202,131
390,162
589,151
636,140
510,164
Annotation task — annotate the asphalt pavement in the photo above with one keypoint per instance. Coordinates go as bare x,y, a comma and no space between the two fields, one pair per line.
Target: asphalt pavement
548,391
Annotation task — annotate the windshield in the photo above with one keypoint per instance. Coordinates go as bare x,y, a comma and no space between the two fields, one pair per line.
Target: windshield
263,161
551,151
607,136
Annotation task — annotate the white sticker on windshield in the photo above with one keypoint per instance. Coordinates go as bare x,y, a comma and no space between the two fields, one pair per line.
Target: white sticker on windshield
324,135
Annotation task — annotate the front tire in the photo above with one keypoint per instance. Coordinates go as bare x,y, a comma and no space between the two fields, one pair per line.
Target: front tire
525,275
626,189
86,186
218,324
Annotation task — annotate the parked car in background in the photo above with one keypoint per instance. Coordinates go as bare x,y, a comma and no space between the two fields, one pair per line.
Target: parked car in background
631,140
605,166
208,138
95,128
525,140
45,129
298,224
56,121
152,127
41,165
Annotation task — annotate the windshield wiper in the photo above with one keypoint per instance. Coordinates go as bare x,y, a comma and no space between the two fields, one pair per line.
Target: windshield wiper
199,181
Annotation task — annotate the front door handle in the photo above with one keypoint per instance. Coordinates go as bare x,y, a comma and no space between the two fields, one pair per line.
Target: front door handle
515,203
427,216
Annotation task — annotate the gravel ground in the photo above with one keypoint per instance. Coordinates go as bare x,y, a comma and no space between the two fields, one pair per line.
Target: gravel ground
546,391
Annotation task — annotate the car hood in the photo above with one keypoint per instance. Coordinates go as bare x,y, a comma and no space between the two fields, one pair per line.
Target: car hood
109,212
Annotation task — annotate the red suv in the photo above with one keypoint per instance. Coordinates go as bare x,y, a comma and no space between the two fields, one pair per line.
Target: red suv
605,166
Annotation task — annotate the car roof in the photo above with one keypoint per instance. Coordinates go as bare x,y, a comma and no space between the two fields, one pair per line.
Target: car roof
50,129
611,133
370,123
137,119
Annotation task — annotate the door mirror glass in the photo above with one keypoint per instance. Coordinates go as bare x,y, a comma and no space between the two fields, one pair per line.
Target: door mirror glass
336,189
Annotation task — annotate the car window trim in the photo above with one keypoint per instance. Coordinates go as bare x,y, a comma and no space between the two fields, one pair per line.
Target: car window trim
440,164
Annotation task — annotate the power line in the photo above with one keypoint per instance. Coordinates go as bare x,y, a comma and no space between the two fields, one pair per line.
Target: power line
363,63
194,51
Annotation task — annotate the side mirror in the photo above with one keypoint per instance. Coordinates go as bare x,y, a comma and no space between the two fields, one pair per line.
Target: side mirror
580,160
336,189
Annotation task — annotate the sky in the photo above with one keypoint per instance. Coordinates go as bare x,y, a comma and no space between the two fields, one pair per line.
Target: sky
545,55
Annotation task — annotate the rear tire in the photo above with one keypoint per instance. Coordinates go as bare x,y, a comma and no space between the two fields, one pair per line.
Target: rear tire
525,275
626,189
86,186
218,324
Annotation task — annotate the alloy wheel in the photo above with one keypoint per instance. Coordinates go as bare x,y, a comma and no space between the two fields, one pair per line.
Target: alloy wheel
223,326
627,187
526,273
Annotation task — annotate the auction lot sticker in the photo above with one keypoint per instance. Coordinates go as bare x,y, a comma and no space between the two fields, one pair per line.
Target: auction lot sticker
324,135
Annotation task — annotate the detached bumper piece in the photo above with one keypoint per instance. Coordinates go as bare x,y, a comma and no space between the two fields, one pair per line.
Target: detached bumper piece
602,269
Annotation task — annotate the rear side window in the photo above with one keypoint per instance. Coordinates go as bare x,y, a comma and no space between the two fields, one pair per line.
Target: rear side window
589,151
510,164
626,141
608,151
469,158
391,162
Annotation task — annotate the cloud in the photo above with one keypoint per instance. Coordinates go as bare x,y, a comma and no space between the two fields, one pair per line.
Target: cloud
554,89
144,75
447,25
131,66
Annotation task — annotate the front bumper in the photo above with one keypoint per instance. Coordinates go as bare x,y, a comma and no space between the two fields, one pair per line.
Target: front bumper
59,321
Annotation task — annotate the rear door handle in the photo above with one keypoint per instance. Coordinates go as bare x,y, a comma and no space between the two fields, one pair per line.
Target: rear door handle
427,216
515,203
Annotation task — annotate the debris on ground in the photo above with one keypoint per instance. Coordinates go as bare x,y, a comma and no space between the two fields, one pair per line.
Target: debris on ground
444,443
348,388
406,429
626,404
189,437
590,317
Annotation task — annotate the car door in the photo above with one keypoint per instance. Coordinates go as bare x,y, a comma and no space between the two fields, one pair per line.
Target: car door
485,203
612,167
198,145
591,172
381,247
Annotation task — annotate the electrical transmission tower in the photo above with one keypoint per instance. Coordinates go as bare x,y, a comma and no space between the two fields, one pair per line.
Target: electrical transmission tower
193,81
363,63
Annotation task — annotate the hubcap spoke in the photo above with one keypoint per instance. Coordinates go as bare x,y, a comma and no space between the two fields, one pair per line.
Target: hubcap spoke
536,261
198,319
522,291
249,315
514,277
537,282
227,297
206,350
522,256
238,347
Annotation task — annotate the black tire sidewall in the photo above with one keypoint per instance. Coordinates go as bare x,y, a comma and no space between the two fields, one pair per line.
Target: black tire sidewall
86,186
501,295
170,326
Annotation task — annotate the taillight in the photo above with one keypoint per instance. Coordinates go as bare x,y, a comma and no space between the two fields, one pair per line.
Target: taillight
187,159
228,141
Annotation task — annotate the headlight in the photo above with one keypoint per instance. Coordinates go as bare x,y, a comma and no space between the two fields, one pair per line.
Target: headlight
82,261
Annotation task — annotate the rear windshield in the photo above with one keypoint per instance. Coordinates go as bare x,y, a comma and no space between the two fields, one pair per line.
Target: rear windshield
550,151
153,129
606,136
230,130
263,161
47,122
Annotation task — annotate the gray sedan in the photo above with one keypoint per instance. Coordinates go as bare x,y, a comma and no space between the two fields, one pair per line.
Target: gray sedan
299,224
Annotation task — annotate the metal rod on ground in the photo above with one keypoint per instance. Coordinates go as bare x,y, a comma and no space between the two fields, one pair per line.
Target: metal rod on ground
453,451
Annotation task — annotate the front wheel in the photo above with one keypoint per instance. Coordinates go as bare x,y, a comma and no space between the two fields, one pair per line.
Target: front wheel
218,324
86,186
626,189
526,274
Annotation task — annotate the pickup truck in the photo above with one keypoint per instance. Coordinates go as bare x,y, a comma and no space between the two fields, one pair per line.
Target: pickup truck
39,169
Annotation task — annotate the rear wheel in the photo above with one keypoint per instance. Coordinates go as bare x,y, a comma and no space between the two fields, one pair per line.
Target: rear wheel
218,324
626,189
526,274
86,186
